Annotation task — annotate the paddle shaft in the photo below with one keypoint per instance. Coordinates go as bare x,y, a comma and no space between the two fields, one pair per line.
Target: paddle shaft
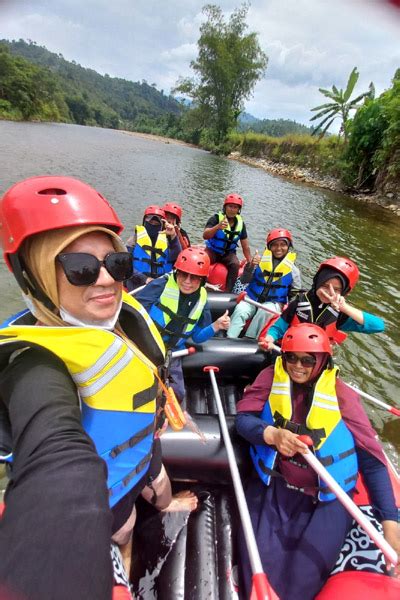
353,509
262,306
391,409
251,543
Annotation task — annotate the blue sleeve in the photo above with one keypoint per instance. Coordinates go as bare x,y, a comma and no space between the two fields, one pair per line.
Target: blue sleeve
378,484
151,292
174,247
203,330
250,427
278,329
372,324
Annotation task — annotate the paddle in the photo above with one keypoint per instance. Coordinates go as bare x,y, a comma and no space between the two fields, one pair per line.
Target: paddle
185,352
391,409
261,588
242,297
389,552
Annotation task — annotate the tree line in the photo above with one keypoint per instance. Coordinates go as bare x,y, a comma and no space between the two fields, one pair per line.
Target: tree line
38,84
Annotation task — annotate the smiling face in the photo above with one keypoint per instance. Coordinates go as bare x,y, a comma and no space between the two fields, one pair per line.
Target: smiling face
297,372
231,210
187,283
279,248
93,303
324,292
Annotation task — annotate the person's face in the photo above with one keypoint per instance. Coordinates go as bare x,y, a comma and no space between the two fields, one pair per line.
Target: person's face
96,302
298,372
171,218
231,210
324,292
153,220
187,283
279,248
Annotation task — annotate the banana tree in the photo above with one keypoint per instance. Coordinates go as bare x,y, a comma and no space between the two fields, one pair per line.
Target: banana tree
340,105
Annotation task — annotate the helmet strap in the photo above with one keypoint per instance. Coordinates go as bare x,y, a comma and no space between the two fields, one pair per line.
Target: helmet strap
27,282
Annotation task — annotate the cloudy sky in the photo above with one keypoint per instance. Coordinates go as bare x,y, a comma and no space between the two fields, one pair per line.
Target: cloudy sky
310,43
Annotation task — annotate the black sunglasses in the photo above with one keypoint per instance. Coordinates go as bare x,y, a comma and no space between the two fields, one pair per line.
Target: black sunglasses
81,268
306,361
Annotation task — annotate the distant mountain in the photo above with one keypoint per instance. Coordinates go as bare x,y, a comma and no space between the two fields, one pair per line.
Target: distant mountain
273,127
92,98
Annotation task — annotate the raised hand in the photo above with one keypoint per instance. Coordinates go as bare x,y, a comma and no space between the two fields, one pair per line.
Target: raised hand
169,229
256,259
224,223
223,322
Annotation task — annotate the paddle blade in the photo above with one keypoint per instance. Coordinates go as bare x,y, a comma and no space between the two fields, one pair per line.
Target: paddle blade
261,589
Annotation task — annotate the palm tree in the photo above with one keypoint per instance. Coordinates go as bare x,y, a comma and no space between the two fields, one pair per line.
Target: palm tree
340,105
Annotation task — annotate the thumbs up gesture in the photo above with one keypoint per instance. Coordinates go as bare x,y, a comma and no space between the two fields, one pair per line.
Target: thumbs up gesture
256,259
223,322
224,223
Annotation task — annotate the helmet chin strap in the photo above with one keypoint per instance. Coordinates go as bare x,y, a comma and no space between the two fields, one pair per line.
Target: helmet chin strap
27,282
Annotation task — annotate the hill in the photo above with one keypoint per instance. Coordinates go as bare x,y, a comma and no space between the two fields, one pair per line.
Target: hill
74,93
272,127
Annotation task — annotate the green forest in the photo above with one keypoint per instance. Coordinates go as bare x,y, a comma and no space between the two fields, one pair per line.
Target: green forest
39,85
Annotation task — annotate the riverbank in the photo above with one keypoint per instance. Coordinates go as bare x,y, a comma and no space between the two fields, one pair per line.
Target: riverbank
159,138
310,177
389,201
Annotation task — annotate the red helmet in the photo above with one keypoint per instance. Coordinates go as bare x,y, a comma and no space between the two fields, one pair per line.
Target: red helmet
155,210
345,267
40,204
234,199
174,209
306,337
194,261
277,234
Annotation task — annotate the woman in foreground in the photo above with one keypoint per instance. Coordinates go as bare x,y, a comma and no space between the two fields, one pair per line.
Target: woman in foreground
299,525
78,386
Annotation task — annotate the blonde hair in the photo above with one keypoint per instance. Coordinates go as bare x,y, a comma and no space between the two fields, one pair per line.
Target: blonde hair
39,253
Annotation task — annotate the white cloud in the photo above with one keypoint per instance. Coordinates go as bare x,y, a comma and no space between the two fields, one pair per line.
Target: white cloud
310,43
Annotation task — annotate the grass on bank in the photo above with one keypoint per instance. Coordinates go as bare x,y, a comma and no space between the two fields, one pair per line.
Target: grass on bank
303,151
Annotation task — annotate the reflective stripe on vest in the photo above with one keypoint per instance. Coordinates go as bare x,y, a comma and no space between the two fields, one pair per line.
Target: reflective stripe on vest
226,240
117,387
149,259
166,310
335,448
269,283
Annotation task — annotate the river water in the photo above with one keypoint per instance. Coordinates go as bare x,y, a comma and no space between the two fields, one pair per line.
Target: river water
133,171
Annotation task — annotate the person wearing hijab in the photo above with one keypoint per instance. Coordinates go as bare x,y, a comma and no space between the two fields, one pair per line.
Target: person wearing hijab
326,305
299,525
78,386
274,279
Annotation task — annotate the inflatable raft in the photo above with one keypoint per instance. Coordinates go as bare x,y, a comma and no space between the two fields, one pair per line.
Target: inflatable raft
192,557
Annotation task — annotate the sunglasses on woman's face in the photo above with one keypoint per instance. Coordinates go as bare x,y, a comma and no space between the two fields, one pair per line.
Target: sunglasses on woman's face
84,269
306,361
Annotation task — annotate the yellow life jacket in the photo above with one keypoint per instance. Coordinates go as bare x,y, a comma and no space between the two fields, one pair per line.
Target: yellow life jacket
333,444
116,384
269,283
148,258
165,312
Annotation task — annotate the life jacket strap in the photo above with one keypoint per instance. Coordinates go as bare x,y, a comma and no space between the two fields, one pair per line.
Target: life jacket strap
132,441
329,460
299,429
126,480
274,473
326,490
176,317
153,250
